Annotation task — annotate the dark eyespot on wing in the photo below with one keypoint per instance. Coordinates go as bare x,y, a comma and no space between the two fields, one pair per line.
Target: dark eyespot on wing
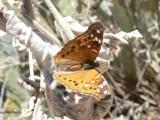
90,88
89,37
67,53
85,39
76,84
63,56
72,50
73,47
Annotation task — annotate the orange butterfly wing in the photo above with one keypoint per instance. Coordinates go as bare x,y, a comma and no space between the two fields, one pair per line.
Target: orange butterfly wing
85,81
84,48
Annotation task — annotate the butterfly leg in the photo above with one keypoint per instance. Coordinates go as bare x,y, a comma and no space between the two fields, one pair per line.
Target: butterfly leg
73,67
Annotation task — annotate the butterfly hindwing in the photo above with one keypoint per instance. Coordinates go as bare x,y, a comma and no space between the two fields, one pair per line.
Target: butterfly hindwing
84,48
84,81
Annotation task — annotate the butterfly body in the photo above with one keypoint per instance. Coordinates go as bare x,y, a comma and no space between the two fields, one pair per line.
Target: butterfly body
81,50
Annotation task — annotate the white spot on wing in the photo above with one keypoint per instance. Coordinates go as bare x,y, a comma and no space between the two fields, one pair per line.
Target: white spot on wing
92,35
96,39
88,46
101,86
94,50
98,90
104,83
98,31
86,85
93,81
99,41
106,92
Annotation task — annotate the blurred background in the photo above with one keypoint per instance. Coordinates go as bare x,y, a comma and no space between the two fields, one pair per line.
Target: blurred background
134,75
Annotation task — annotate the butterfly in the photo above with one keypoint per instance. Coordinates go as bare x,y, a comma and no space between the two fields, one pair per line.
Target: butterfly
83,49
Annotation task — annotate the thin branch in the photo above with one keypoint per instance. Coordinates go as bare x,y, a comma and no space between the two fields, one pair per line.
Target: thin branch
27,8
30,82
61,22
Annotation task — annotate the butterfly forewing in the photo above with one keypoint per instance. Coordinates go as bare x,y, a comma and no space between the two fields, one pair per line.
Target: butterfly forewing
85,81
84,48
